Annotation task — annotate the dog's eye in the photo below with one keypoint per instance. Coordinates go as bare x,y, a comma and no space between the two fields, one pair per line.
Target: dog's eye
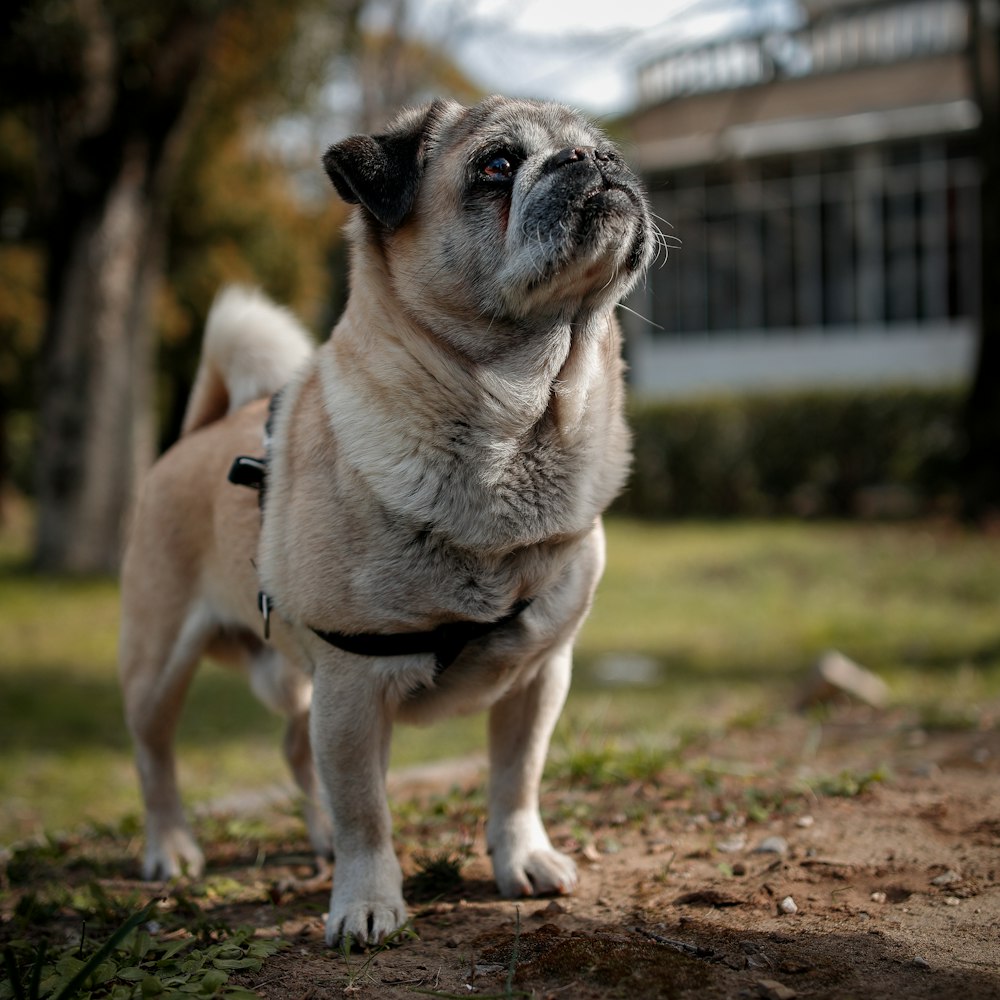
499,169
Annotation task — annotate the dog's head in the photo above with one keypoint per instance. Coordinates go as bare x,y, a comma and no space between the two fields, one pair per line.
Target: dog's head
502,215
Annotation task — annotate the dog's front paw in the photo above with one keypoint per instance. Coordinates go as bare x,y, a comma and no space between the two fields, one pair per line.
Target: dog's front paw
364,922
170,854
524,861
366,905
537,872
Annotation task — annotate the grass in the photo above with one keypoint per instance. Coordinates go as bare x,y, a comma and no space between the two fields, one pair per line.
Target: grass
723,619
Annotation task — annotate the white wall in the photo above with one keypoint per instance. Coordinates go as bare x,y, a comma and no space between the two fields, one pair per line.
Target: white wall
673,366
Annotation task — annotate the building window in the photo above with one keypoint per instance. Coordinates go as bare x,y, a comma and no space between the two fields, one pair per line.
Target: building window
878,236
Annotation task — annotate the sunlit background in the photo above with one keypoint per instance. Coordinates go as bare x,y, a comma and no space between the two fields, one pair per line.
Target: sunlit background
815,390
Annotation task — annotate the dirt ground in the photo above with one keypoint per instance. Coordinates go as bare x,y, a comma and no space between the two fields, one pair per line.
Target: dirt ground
858,857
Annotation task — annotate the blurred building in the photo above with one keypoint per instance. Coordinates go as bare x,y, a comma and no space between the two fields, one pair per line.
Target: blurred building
822,185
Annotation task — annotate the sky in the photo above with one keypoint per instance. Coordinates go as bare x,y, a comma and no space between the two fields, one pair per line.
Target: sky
583,52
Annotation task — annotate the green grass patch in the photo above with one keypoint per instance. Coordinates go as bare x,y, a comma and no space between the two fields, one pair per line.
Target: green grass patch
725,618
132,963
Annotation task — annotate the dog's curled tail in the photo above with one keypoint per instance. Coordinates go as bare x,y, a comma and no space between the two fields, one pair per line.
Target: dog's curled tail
251,349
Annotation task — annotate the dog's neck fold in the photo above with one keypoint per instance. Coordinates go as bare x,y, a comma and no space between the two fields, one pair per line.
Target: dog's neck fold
500,374
533,441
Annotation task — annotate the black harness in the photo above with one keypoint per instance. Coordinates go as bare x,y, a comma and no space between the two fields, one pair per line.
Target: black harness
446,641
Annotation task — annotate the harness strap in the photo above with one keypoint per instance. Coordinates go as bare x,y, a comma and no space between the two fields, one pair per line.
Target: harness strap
446,641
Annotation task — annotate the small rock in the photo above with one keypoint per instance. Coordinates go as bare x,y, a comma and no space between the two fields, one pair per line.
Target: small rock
772,845
787,905
879,897
591,853
554,909
948,878
952,901
488,969
804,822
920,963
771,989
835,676
627,670
733,844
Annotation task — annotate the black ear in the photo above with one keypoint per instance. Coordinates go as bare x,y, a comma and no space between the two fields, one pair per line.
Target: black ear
382,172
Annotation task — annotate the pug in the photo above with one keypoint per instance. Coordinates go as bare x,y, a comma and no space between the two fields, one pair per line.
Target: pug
426,534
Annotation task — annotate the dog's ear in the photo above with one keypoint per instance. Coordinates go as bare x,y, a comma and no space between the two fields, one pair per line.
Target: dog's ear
382,172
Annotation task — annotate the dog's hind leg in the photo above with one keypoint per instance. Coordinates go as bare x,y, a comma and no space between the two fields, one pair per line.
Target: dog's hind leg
285,689
157,662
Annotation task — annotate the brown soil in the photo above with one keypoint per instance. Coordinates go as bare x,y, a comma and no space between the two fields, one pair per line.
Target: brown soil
896,887
892,861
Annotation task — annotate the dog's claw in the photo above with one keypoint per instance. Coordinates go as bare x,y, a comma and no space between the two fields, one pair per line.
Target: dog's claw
365,924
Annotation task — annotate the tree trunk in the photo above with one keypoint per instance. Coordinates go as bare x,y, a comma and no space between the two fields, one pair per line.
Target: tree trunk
96,423
981,466
108,150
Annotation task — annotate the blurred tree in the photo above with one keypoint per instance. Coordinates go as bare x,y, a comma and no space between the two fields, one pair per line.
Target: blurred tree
22,307
112,91
105,88
393,68
981,467
156,139
236,217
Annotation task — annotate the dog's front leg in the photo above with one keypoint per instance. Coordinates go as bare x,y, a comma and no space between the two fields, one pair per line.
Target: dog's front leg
524,861
350,727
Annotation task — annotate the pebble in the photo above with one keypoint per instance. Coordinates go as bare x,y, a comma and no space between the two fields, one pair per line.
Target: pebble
787,905
919,962
627,670
772,845
952,901
804,822
489,969
879,897
835,676
947,878
731,845
771,989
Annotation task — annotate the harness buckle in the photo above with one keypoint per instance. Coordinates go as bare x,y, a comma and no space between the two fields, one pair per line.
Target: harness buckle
247,471
264,605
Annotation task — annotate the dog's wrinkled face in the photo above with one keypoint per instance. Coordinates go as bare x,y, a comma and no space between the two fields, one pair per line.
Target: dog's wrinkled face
504,215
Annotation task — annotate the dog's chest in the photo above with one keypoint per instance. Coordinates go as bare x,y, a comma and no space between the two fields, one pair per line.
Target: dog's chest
423,576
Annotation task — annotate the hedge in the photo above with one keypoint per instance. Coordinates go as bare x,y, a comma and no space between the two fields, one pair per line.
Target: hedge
830,453
820,453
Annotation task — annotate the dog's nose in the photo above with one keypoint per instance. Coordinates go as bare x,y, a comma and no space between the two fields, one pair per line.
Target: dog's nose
573,154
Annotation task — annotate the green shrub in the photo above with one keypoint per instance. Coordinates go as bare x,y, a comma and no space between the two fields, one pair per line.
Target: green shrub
819,453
